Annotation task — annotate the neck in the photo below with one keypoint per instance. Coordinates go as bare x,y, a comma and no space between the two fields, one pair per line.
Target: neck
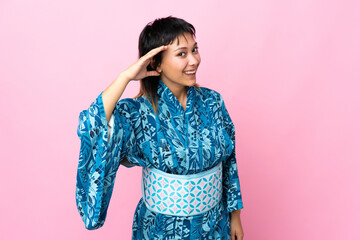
179,91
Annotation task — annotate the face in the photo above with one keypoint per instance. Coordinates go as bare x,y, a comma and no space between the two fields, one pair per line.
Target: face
180,62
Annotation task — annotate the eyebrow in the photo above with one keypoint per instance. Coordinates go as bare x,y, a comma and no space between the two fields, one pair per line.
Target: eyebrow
195,44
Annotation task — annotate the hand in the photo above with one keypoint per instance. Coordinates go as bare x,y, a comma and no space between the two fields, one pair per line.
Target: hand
138,70
236,230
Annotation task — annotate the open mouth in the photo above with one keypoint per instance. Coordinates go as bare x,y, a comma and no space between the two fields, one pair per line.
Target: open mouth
190,74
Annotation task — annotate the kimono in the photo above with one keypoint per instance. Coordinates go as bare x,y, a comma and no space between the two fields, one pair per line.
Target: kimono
175,140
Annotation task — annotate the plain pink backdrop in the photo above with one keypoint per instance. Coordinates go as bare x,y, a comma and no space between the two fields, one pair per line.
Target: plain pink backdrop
289,74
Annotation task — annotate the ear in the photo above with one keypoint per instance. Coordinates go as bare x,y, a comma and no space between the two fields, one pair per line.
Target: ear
158,68
152,63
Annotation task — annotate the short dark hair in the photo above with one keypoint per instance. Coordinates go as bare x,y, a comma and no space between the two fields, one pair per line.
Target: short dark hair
162,31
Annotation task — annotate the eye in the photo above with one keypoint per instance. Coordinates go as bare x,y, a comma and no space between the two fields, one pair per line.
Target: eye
181,54
196,49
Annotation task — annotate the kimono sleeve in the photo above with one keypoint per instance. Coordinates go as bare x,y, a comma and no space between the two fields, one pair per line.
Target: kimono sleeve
231,183
99,159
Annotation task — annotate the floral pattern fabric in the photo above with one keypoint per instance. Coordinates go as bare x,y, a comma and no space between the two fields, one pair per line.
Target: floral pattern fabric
176,140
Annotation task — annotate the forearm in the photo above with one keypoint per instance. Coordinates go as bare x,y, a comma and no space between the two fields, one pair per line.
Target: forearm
236,229
113,93
236,213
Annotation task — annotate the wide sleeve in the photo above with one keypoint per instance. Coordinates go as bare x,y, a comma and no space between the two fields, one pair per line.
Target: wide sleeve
231,183
99,159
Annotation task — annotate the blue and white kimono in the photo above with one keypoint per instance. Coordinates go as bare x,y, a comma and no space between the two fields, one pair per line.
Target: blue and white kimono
175,141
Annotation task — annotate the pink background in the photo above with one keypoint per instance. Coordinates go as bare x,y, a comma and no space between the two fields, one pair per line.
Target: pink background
289,74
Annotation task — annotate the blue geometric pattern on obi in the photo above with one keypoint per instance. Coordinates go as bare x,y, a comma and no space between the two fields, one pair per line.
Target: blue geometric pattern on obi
182,195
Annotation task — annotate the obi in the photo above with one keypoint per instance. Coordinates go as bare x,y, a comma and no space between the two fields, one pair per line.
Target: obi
181,195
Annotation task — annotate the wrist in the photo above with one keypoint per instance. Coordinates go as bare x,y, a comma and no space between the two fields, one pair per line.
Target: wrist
236,212
123,77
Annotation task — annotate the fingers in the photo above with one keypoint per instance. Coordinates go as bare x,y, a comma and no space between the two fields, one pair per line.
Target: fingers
234,235
152,73
145,60
237,236
155,51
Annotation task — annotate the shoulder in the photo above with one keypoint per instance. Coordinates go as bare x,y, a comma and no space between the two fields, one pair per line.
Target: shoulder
132,107
210,94
130,104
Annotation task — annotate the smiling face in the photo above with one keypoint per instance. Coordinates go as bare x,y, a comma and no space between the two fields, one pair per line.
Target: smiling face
180,62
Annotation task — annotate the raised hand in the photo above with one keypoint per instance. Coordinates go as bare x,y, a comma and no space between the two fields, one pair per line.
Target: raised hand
138,70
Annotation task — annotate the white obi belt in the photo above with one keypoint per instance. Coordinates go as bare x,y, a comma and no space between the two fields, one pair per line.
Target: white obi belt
181,195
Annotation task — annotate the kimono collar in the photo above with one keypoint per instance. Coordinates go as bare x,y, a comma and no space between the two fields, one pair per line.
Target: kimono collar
169,98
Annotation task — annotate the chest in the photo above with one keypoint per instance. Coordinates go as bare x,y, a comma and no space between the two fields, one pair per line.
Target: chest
183,143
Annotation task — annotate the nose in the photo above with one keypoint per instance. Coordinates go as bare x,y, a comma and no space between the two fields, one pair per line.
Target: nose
194,59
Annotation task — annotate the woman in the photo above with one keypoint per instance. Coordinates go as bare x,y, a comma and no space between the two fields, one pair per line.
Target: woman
178,132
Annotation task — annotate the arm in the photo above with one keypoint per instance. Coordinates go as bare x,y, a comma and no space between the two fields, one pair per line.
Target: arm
231,182
236,226
100,154
137,71
113,93
99,159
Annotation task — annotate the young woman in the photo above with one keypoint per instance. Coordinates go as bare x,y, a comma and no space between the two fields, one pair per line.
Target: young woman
180,134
